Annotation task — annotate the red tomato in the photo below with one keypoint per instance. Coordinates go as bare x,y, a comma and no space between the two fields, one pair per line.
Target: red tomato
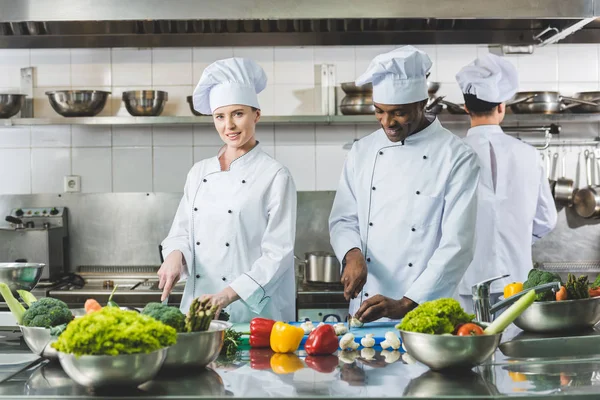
470,330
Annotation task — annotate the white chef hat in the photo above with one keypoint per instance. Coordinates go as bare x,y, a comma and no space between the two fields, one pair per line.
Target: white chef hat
489,78
398,77
227,82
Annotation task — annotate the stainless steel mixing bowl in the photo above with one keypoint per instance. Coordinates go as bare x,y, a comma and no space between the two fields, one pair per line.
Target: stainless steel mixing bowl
78,103
443,351
21,275
38,340
560,316
121,370
145,103
197,349
10,104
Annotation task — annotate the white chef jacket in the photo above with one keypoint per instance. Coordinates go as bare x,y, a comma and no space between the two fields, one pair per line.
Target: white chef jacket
411,209
237,228
515,208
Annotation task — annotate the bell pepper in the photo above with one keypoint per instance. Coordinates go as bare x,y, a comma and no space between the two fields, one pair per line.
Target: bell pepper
321,341
323,364
285,363
260,332
285,338
260,359
512,288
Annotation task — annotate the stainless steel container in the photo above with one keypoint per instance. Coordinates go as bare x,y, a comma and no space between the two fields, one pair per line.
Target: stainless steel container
145,103
78,103
560,316
21,275
321,266
10,104
197,349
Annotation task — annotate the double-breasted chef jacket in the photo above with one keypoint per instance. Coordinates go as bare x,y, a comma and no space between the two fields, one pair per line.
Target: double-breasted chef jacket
237,228
516,207
411,208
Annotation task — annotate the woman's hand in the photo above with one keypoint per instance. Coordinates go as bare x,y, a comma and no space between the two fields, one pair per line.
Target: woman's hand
222,299
170,272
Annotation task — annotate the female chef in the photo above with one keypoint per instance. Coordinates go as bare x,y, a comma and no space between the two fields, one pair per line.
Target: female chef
232,238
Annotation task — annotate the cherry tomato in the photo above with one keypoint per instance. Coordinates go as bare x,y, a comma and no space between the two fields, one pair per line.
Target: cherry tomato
470,330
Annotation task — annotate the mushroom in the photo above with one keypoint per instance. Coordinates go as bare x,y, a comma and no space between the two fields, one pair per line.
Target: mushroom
355,323
340,329
307,327
368,340
347,342
348,357
390,356
367,353
391,340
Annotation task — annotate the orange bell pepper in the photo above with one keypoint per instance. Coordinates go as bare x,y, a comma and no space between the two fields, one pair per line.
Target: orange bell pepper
512,288
285,338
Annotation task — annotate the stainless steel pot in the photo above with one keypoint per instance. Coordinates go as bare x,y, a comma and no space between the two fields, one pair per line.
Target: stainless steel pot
543,103
594,97
357,103
563,190
587,200
321,266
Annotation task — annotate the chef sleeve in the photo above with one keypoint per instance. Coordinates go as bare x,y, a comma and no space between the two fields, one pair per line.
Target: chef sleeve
277,246
179,235
344,230
451,259
545,212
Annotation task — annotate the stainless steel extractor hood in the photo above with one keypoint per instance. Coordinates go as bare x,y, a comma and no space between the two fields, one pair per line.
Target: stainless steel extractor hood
158,23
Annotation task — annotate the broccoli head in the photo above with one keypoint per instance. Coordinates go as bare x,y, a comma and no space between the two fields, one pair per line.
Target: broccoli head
168,315
47,313
537,277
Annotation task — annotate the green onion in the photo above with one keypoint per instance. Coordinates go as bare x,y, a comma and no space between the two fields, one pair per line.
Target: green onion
27,297
510,314
15,306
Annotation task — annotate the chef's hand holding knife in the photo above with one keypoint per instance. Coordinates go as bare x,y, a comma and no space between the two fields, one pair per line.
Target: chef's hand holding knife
170,272
354,276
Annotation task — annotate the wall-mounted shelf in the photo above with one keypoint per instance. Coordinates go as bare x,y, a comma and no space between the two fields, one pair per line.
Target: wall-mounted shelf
290,120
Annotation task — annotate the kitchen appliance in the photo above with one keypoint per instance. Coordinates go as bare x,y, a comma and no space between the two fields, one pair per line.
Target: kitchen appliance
320,301
10,104
322,267
37,235
145,103
137,286
78,103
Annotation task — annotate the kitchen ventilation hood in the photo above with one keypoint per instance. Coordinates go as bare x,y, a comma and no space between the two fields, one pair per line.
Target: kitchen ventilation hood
172,23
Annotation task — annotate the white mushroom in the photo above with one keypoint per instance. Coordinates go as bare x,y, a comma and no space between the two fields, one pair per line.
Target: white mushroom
391,340
340,329
407,358
348,357
347,342
307,327
355,323
390,356
321,324
368,340
368,353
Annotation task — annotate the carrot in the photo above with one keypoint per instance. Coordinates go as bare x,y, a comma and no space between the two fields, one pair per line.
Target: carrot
561,294
92,305
594,291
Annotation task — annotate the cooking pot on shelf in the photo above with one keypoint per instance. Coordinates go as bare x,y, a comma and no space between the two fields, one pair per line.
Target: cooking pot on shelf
594,97
321,266
543,103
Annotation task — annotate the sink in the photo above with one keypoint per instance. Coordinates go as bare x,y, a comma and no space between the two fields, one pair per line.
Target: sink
529,345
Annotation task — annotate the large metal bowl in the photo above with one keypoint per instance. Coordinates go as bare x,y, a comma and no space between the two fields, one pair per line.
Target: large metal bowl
145,103
38,340
197,349
190,101
78,103
357,104
351,88
10,104
560,316
440,352
21,275
121,370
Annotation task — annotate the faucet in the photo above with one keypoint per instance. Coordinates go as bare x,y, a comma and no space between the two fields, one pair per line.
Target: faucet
484,310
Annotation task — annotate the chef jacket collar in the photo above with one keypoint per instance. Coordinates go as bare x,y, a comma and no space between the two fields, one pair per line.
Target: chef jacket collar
485,130
422,135
243,160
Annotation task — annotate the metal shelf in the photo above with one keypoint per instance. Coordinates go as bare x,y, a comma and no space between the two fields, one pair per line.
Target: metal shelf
294,120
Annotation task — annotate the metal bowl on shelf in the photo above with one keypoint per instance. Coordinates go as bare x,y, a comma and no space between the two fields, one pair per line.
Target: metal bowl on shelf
78,103
110,371
560,316
145,103
191,103
441,352
10,104
22,276
357,104
197,349
351,88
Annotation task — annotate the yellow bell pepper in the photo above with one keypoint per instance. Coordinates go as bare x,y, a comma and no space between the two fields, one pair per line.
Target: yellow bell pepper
285,363
285,338
512,288
517,376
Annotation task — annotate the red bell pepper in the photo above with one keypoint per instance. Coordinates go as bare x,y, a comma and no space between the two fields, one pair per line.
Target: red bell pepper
260,332
321,341
260,359
325,364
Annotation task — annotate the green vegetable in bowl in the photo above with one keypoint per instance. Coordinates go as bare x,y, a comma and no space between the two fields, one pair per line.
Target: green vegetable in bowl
166,314
27,297
46,313
112,331
435,317
537,277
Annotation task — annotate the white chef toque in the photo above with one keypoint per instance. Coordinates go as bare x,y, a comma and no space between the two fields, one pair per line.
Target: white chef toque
489,78
398,77
227,82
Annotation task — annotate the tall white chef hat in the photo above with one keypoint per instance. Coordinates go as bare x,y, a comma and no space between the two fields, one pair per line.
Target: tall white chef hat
398,77
227,82
489,78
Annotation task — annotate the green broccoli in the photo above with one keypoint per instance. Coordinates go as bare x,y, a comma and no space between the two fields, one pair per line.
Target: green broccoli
537,277
47,313
435,317
168,315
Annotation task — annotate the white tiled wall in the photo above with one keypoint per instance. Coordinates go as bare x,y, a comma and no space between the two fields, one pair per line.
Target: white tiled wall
146,158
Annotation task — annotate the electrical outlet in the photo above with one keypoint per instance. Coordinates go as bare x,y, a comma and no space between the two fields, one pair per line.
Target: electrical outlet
72,184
